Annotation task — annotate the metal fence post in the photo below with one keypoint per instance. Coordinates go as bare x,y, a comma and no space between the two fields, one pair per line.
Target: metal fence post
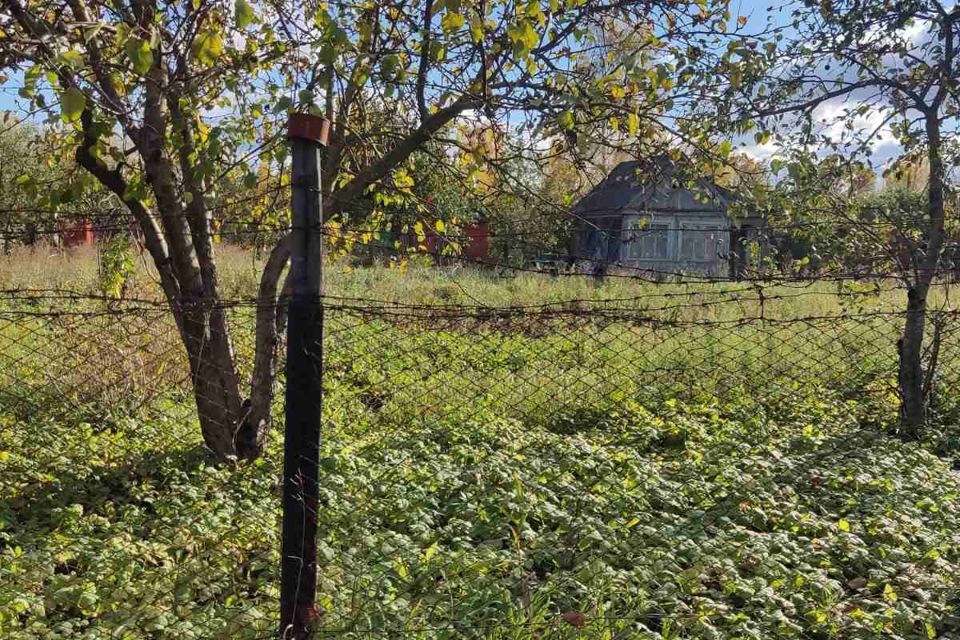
301,448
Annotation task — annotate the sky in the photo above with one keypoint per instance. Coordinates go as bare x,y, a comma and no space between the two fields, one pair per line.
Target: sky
758,12
884,147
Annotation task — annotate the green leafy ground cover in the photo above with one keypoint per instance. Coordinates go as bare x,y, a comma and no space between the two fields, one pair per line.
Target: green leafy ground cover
492,482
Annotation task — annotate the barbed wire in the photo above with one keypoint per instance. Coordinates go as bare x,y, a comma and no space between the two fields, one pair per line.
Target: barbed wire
758,292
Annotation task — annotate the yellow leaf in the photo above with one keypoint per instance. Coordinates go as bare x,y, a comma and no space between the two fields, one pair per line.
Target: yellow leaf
208,47
439,226
476,29
452,21
430,552
203,130
523,36
889,594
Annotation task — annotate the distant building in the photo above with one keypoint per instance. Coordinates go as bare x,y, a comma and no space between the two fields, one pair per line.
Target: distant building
473,241
77,233
644,216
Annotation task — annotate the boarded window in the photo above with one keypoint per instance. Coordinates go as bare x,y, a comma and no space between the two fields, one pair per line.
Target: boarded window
645,240
700,244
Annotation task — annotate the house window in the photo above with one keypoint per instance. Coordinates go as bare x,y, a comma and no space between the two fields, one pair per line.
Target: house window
644,239
700,244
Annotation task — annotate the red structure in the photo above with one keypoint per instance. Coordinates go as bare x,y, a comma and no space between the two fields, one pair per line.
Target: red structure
77,233
474,241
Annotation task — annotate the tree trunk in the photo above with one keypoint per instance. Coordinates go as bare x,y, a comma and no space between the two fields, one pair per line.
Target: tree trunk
233,427
913,402
215,381
269,327
913,394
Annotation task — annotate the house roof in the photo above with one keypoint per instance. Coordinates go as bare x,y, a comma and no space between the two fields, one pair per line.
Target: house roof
651,185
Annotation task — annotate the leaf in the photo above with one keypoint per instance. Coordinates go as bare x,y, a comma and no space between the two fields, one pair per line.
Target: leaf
208,47
242,14
523,36
476,29
452,21
73,58
889,594
439,226
72,104
283,104
574,619
566,120
843,525
857,583
430,552
633,124
140,55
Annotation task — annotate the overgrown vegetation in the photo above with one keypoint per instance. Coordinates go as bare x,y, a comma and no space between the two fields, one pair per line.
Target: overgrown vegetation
504,455
508,479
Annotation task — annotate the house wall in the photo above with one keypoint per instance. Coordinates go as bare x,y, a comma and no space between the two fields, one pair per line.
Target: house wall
694,242
598,240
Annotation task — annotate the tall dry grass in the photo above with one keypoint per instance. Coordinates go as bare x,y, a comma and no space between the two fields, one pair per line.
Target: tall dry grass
79,270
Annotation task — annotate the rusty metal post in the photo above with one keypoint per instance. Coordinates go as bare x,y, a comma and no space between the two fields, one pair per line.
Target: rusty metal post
301,447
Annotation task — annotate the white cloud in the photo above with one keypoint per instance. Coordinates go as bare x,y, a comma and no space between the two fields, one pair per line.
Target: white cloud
839,122
916,32
913,34
761,152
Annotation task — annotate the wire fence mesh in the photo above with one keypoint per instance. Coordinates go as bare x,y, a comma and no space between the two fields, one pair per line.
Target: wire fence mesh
715,460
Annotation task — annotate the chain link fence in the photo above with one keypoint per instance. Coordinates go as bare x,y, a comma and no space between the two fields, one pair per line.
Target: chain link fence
718,461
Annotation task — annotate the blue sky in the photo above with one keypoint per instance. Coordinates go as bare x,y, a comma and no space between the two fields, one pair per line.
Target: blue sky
758,12
8,92
884,148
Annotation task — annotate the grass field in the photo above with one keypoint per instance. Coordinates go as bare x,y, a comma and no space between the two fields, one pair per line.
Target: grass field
78,270
663,464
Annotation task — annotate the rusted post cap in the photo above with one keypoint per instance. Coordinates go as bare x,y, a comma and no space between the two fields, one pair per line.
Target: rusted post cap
308,127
